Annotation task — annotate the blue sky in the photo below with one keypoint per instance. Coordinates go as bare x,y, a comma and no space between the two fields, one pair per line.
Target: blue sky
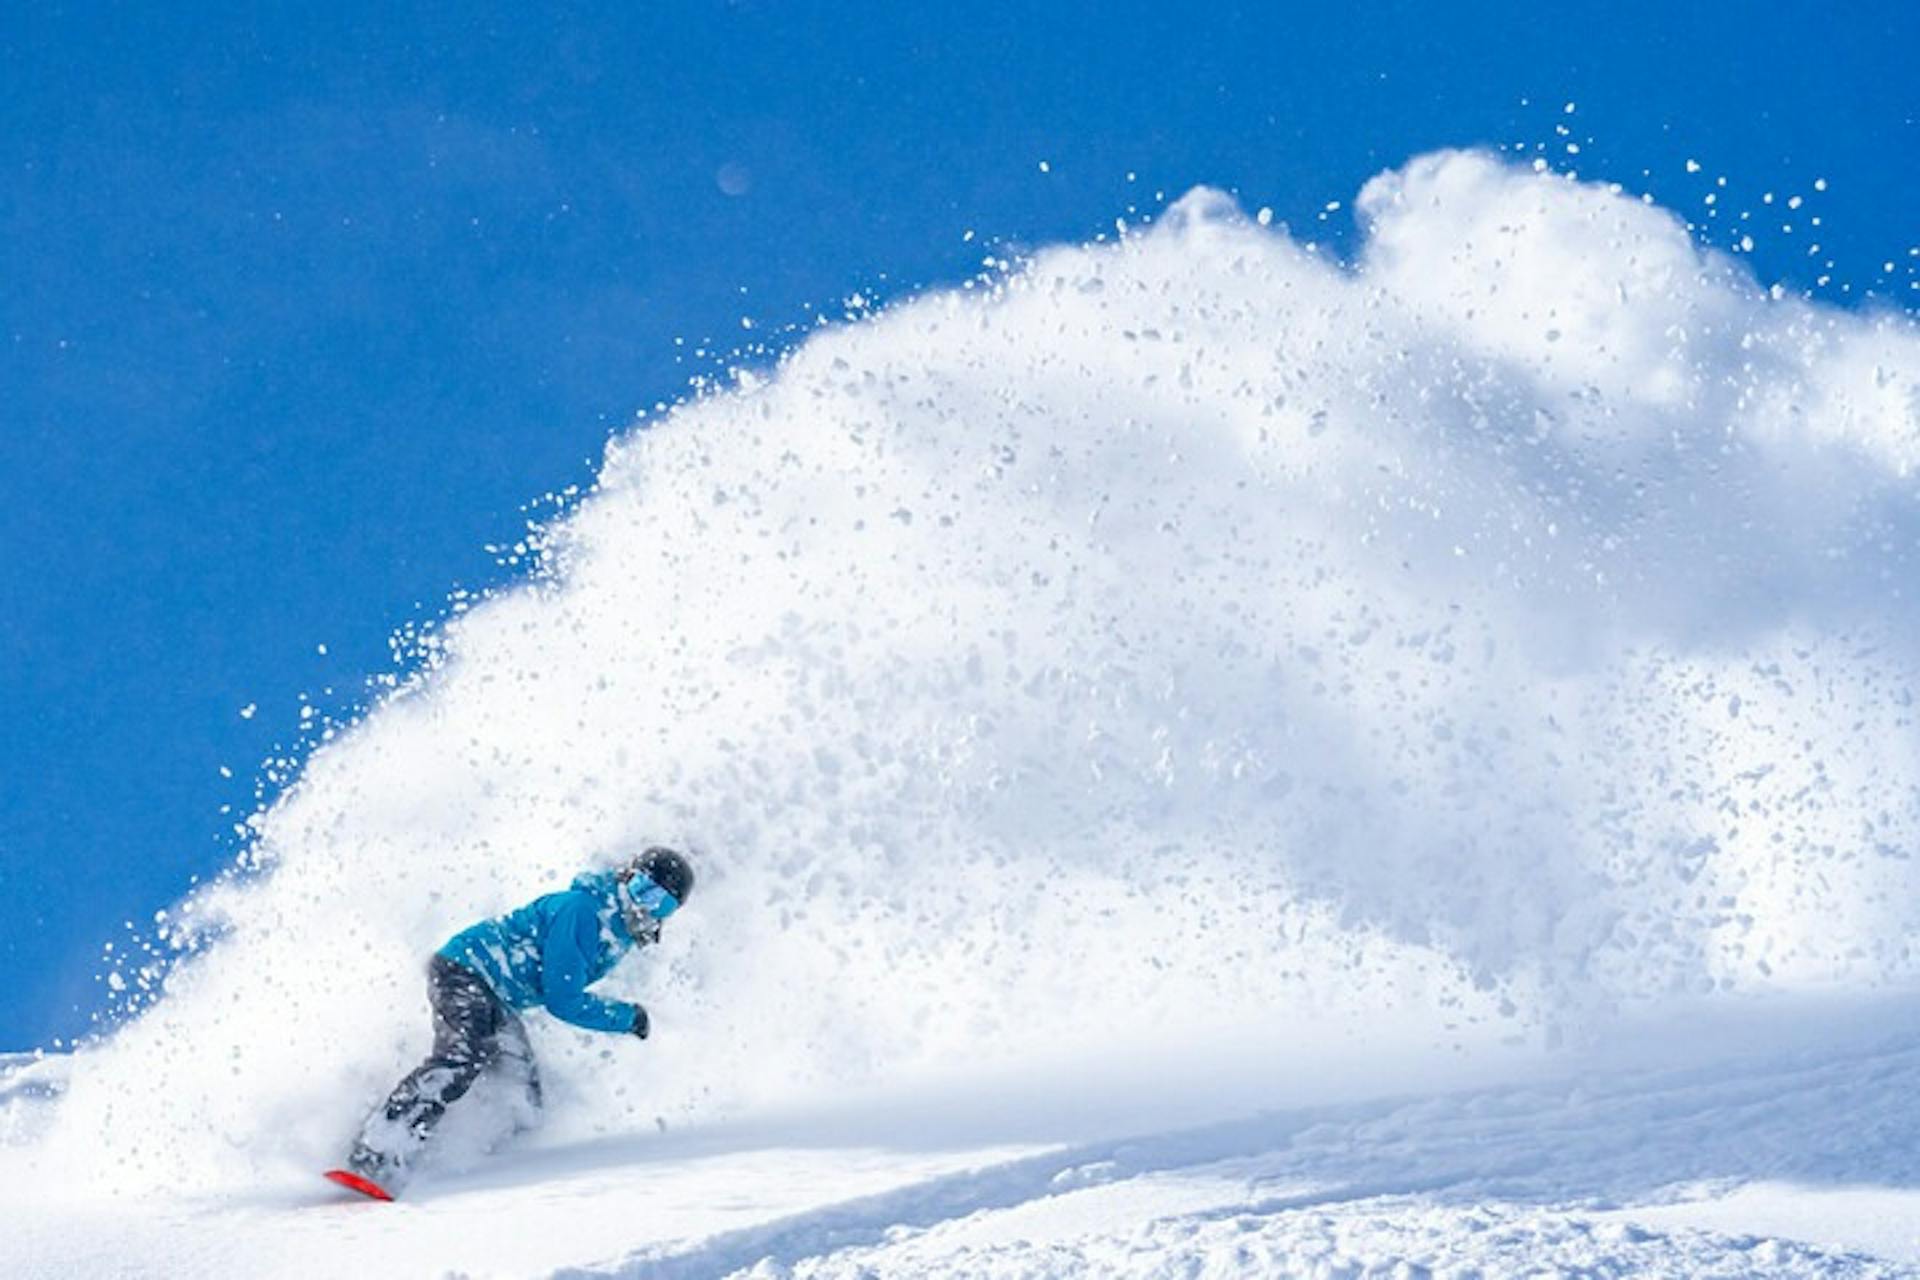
297,313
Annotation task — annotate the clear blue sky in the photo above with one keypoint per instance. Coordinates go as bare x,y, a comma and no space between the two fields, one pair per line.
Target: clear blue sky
296,312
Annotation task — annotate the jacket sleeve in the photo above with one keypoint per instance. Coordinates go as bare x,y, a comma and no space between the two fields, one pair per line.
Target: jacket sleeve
564,965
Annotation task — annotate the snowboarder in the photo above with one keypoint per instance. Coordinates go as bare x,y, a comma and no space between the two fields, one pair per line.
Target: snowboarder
545,954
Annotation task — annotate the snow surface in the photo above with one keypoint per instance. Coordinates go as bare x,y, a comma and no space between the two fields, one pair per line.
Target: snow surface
1792,1165
1203,760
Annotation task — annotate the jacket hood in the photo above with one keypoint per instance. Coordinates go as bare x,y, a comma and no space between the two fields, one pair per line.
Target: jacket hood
603,885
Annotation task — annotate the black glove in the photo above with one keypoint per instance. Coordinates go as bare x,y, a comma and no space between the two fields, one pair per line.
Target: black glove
639,1027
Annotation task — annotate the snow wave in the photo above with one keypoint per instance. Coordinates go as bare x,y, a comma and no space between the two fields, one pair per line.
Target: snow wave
1177,642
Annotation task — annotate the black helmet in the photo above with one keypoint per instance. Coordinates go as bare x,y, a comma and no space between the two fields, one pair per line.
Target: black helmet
667,869
652,887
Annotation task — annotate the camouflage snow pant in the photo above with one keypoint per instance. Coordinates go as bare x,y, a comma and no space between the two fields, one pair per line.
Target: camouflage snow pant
472,1033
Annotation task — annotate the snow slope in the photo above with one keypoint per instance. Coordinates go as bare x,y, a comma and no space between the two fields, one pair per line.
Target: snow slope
1180,680
1799,1164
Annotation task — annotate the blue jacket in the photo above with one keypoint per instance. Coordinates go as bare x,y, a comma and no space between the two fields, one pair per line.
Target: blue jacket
551,950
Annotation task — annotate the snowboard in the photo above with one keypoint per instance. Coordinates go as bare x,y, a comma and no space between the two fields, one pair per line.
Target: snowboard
354,1182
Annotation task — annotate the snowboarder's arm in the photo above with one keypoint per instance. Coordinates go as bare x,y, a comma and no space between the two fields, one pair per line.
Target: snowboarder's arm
564,967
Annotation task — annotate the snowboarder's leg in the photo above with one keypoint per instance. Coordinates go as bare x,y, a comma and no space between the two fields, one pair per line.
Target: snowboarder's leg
515,1062
467,1018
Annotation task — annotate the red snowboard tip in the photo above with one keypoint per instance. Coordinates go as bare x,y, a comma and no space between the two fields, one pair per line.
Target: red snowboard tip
354,1182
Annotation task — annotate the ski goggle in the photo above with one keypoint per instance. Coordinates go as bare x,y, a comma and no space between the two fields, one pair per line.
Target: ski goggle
650,897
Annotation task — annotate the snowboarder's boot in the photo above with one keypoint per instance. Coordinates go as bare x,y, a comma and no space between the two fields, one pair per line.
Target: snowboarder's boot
370,1173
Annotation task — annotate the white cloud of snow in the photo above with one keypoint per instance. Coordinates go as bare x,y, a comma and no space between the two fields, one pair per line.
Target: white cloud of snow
1185,642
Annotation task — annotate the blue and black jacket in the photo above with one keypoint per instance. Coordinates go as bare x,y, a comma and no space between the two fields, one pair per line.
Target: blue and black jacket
550,951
